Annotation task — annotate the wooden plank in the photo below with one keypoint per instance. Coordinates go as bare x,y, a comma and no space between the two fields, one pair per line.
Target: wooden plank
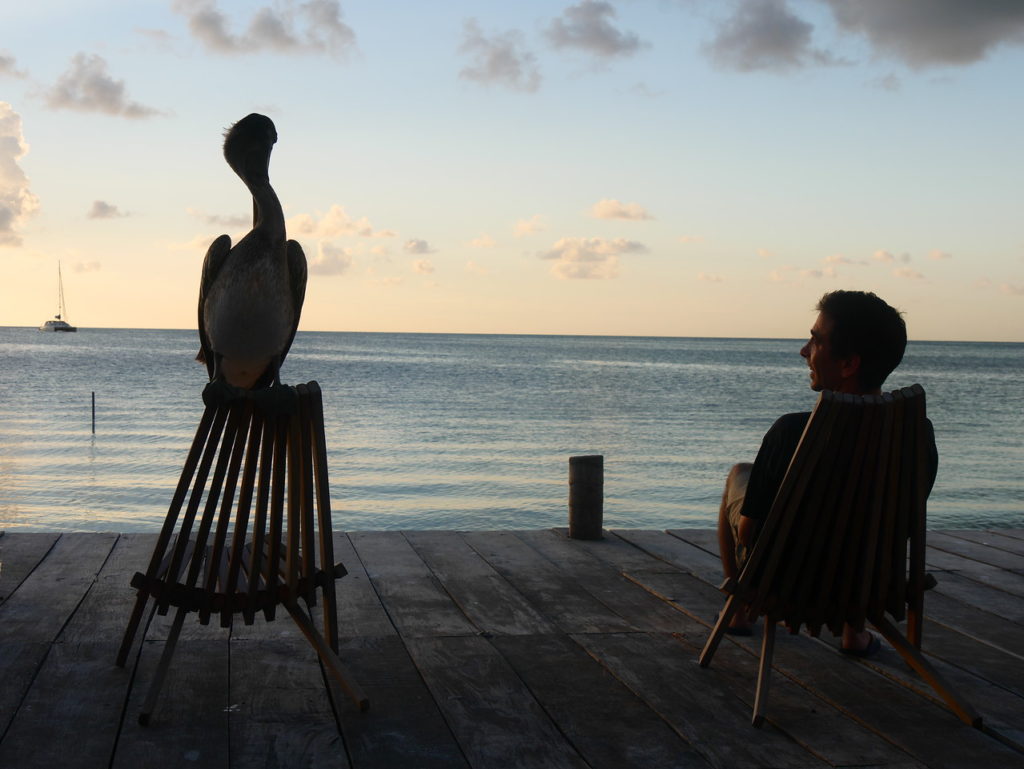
412,596
711,719
705,539
19,662
985,573
190,725
989,597
494,717
360,612
20,553
280,713
640,608
404,726
34,614
608,725
980,692
71,714
973,621
991,538
675,551
50,594
929,732
78,694
976,551
806,719
617,552
104,611
483,595
553,592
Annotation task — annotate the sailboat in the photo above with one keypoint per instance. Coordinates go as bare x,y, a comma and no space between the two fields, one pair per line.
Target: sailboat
58,323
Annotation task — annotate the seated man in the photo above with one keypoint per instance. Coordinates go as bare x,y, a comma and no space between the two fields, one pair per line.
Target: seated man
856,342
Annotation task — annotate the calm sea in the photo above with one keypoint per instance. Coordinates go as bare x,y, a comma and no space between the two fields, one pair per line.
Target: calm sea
466,431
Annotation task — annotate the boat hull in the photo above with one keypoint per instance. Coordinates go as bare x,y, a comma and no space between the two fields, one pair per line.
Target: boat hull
57,325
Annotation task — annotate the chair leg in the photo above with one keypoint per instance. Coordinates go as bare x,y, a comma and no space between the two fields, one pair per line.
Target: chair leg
963,709
330,659
133,626
161,669
764,671
732,605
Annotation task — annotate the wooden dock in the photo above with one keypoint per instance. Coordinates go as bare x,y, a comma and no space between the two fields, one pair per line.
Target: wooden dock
508,649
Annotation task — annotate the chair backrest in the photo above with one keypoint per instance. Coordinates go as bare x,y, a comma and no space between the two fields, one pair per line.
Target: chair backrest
833,548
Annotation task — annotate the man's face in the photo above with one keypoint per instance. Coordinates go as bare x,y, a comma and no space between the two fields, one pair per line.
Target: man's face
826,370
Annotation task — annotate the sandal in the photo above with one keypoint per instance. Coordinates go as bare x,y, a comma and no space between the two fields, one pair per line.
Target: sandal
868,651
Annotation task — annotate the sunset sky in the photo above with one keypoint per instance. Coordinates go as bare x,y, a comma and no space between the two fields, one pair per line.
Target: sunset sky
637,167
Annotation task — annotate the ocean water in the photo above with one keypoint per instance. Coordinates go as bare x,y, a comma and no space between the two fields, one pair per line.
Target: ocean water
475,431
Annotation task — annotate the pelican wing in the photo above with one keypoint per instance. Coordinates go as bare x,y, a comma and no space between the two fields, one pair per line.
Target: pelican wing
216,255
297,280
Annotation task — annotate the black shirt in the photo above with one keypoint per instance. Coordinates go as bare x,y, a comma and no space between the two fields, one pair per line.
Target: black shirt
776,451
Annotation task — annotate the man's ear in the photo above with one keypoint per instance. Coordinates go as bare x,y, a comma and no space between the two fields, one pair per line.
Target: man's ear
849,367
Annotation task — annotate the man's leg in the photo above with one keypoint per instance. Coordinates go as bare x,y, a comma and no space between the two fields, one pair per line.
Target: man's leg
728,530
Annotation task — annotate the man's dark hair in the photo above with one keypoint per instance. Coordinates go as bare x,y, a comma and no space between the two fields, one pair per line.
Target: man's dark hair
864,325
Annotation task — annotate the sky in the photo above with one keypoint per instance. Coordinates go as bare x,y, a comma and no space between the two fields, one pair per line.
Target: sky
636,167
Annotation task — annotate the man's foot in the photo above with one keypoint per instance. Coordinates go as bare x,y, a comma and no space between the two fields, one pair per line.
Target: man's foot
869,649
741,623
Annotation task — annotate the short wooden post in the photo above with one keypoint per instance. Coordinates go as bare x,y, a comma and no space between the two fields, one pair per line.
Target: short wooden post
586,496
94,412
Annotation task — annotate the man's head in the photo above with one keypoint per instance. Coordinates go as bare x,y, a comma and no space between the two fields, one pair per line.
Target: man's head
855,343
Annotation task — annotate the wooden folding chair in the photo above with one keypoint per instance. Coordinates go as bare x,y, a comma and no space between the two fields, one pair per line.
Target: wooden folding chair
245,559
834,547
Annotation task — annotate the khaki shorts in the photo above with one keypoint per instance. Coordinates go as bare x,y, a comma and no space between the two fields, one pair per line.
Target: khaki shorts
735,492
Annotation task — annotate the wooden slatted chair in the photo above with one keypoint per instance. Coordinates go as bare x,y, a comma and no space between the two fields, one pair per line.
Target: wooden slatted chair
834,547
242,559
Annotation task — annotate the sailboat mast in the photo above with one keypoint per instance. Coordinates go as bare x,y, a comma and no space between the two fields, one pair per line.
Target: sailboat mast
60,293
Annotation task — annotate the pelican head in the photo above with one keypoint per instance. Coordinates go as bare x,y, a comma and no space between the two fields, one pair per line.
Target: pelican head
247,147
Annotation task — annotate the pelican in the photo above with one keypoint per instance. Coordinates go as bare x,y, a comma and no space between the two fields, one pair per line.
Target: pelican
250,297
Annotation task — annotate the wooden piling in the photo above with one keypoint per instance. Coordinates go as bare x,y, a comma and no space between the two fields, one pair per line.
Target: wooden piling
586,496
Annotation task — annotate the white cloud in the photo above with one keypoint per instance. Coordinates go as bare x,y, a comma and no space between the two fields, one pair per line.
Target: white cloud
235,222
764,253
789,273
484,241
890,83
17,203
937,255
423,266
287,27
926,33
529,226
474,268
688,239
888,257
499,59
330,260
418,246
86,86
766,35
907,273
614,209
840,259
707,277
589,258
1012,289
335,223
86,266
588,26
100,209
9,67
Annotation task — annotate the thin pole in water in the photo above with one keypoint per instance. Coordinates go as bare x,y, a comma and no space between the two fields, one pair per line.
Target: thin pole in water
94,412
